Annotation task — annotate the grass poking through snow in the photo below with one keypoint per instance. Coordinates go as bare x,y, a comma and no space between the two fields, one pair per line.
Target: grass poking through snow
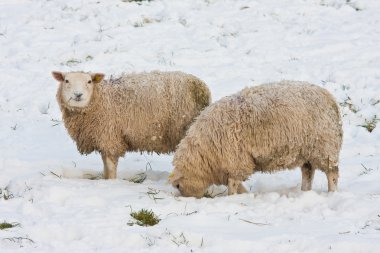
5,225
349,104
370,125
144,217
6,194
138,178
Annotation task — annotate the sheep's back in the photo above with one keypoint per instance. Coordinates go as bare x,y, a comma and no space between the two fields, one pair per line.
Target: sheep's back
273,126
155,108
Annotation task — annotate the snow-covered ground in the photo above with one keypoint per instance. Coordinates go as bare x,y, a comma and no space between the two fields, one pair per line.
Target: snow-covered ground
229,44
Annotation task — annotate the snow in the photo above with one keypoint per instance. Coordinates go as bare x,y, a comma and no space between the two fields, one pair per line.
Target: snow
230,44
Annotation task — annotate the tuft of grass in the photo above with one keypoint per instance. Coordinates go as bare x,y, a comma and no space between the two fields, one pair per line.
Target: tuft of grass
370,125
55,174
348,103
5,225
180,239
92,177
366,170
71,62
138,178
255,223
89,58
149,241
6,194
144,218
153,193
19,240
56,122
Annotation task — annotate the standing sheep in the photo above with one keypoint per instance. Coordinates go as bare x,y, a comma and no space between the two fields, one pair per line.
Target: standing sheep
266,128
136,112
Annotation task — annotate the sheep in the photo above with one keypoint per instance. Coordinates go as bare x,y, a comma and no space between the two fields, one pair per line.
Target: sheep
134,112
266,128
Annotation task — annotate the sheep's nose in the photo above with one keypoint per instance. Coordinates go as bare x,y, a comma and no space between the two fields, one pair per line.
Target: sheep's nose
78,94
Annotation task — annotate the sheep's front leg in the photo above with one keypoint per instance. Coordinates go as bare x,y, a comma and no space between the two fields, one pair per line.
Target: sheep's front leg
234,186
332,179
110,165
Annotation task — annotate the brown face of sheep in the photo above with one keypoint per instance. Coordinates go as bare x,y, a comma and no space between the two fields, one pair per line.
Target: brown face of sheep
76,87
188,187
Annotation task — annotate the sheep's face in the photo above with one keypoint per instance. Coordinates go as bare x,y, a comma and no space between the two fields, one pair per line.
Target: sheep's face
77,87
186,186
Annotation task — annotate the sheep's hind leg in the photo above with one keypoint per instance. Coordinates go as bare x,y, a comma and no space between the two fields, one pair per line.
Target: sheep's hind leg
332,178
110,165
307,176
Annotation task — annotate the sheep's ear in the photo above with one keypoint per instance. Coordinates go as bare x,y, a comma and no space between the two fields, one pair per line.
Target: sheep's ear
174,176
59,76
97,77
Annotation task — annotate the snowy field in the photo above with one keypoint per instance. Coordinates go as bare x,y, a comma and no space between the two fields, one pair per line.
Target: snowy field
230,44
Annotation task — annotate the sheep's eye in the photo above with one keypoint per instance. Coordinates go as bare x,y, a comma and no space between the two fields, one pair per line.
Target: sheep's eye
66,81
89,81
177,186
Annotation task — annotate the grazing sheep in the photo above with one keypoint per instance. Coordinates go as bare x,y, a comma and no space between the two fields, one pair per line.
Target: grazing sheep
135,112
266,128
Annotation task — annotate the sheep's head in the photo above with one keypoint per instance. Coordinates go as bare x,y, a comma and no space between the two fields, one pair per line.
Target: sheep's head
188,187
77,87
